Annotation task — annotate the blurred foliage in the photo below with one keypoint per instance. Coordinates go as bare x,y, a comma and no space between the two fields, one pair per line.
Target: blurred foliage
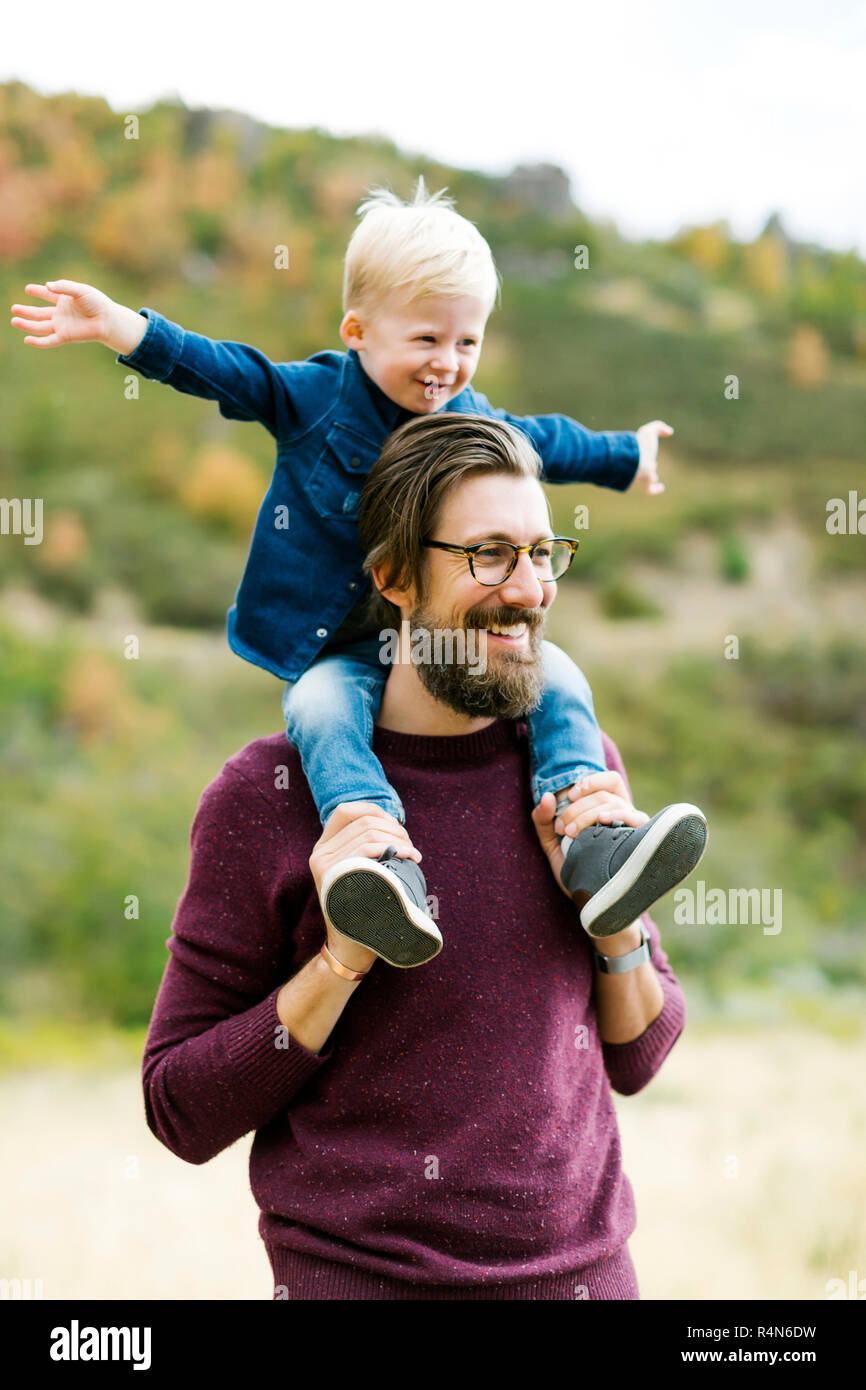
733,559
772,746
103,760
186,217
620,599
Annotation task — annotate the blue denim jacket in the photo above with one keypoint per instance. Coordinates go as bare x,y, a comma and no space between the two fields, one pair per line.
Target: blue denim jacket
330,420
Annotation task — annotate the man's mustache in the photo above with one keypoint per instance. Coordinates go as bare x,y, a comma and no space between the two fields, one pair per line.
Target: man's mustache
504,617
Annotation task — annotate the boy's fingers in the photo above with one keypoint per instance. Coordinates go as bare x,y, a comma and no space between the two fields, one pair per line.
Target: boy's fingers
43,291
73,287
33,311
53,341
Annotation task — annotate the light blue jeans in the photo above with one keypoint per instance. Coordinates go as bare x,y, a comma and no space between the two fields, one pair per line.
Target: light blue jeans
330,712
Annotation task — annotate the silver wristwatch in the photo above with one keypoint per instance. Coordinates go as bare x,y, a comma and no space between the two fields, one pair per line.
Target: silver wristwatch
618,965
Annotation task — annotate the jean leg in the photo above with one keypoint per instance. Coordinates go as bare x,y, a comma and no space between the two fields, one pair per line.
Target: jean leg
330,712
564,737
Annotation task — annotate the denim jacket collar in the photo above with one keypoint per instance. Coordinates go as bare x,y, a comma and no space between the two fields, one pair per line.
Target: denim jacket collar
364,404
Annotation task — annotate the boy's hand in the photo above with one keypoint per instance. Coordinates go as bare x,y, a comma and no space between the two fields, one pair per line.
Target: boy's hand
647,475
601,797
78,314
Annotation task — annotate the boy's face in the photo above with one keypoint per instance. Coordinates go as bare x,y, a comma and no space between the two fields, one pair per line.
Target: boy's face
421,355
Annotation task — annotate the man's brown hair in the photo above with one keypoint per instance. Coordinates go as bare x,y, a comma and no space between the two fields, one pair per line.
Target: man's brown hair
403,495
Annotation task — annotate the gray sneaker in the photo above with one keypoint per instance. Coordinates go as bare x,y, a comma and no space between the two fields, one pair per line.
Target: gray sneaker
619,871
382,904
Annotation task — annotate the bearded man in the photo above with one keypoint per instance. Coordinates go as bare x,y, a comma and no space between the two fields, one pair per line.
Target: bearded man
445,1131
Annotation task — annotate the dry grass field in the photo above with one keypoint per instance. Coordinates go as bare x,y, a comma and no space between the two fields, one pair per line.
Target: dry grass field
745,1154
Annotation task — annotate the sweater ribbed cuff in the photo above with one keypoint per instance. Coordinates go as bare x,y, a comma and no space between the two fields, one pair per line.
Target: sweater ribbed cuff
270,1062
631,1065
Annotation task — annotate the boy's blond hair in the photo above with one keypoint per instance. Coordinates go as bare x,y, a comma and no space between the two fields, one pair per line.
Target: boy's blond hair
423,247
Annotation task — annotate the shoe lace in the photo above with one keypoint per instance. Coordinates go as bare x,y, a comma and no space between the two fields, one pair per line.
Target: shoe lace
617,826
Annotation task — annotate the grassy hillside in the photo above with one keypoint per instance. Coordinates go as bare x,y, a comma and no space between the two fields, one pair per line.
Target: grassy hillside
149,506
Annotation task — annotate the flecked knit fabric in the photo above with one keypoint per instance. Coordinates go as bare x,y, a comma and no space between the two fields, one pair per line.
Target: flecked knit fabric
456,1136
308,1277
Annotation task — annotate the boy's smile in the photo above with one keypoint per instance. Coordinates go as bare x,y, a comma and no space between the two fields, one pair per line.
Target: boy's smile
423,354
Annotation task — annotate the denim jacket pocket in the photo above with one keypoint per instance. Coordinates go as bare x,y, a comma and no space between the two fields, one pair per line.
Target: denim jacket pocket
338,475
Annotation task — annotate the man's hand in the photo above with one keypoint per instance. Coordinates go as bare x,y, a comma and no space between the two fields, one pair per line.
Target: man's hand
601,797
647,475
356,828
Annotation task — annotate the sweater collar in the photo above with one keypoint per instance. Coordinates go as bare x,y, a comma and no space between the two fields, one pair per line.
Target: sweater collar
451,749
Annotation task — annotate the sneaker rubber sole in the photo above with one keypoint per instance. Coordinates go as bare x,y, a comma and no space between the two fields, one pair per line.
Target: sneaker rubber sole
366,902
663,858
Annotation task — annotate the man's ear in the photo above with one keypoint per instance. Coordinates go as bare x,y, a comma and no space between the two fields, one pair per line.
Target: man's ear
395,593
352,330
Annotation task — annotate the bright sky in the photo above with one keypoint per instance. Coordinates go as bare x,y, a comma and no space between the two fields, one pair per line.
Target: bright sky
662,113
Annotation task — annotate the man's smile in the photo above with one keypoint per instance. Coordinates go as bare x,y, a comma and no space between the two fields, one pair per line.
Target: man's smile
514,636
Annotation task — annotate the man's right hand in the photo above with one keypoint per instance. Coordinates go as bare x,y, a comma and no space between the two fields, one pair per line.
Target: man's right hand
356,828
78,313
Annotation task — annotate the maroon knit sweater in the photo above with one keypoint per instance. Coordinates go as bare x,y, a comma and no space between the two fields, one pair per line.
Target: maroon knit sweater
456,1137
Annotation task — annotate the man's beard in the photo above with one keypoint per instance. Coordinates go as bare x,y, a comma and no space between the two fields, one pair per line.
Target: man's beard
512,683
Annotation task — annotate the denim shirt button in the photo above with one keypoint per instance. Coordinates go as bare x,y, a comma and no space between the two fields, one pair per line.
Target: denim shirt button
321,632
355,462
353,585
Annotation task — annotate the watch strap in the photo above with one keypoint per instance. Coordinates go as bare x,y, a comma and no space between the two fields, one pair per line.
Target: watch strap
618,965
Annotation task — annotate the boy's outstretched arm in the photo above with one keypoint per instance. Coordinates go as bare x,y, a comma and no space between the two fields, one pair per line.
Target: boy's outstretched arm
572,453
647,475
245,383
83,314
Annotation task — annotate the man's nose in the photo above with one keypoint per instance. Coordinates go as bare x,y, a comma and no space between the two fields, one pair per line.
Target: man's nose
523,588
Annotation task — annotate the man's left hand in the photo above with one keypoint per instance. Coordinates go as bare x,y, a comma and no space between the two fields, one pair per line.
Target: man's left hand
600,797
647,475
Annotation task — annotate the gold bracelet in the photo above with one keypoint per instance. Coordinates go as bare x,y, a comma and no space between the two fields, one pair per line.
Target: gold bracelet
341,970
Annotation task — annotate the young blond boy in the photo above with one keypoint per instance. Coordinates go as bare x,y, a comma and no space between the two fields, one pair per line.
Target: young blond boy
419,287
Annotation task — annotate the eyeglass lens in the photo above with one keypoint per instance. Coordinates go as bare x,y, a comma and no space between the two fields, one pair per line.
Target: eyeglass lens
550,560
